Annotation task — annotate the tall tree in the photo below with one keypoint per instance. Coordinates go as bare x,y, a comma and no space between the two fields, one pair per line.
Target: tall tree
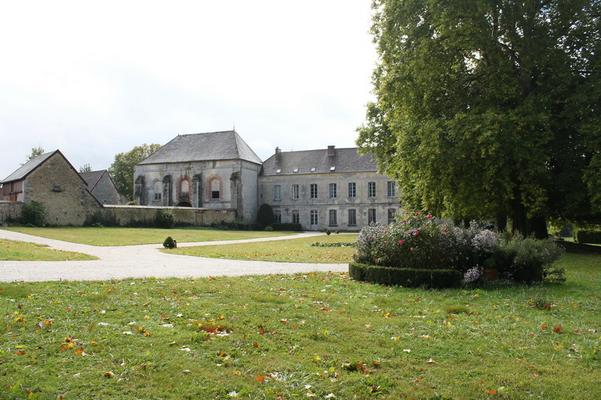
489,108
122,169
35,151
85,168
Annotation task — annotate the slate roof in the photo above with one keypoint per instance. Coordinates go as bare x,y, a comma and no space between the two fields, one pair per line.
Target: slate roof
92,177
224,145
345,160
28,167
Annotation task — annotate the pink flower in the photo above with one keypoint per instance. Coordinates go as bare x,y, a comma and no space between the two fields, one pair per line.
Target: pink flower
416,233
401,242
411,249
429,216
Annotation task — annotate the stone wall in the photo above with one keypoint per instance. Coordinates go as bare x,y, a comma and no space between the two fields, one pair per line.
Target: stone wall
64,194
145,215
10,211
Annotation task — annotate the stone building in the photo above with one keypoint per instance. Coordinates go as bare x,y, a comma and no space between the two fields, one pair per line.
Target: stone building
101,185
50,179
336,189
215,170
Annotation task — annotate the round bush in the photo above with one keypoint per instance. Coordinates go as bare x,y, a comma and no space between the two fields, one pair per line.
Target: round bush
170,243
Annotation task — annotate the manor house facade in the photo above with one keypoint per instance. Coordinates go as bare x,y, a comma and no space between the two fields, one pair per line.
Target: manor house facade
336,189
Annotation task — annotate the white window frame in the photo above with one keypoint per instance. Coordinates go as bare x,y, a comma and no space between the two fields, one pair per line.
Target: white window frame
314,193
333,190
314,215
277,192
372,217
391,188
371,189
352,221
295,191
352,190
332,217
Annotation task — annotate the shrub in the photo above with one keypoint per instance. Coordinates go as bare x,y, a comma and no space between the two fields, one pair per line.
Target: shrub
100,219
287,227
265,215
33,213
268,228
170,243
585,236
409,277
528,258
163,219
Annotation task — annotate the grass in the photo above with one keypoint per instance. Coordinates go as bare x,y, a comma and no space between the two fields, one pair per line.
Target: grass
117,236
292,337
293,250
22,251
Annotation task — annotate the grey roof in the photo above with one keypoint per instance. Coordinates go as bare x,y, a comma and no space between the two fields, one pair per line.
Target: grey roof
92,177
345,160
28,167
225,145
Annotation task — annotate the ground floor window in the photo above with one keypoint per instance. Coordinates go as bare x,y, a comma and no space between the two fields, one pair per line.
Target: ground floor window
371,216
277,216
333,221
295,217
157,196
314,217
352,217
391,215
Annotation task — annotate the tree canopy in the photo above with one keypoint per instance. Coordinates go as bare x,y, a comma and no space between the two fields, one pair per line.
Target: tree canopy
85,168
35,151
489,108
122,169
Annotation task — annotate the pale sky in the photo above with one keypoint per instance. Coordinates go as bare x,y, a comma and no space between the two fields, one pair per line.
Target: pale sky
96,78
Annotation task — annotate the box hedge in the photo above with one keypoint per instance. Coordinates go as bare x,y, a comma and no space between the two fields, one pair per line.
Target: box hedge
409,277
585,236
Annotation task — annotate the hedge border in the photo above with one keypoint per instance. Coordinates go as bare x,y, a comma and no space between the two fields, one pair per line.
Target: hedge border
409,277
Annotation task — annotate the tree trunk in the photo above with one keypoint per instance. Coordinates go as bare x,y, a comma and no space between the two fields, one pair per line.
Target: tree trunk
501,222
538,227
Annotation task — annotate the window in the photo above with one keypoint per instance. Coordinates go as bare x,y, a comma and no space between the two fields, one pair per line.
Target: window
295,192
215,189
277,216
295,217
314,190
185,187
352,190
332,190
314,217
352,217
391,215
371,216
371,189
333,218
391,188
157,196
277,193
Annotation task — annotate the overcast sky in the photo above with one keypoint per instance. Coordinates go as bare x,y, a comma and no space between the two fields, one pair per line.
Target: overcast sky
96,78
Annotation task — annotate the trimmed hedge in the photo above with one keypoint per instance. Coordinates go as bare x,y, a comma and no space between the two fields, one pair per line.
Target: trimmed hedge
288,226
588,237
409,277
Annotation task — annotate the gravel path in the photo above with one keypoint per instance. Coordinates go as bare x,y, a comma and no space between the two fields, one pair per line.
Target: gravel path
144,261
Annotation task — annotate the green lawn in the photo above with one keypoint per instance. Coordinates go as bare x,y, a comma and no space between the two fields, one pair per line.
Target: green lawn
299,336
293,250
22,251
126,236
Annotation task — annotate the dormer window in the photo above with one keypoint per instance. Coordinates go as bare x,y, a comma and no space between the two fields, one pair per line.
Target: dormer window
278,171
312,169
295,170
332,168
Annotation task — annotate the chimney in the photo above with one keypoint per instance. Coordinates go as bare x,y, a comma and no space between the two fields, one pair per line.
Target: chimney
277,150
331,151
278,157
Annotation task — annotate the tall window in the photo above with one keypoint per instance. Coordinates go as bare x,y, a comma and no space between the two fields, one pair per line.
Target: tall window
295,217
332,190
158,190
333,221
314,190
277,193
391,215
295,192
371,189
352,190
352,217
314,217
277,216
215,189
371,216
391,188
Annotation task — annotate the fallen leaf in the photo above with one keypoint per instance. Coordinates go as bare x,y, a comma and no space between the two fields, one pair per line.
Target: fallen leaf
79,351
109,374
491,392
260,378
558,329
20,352
543,326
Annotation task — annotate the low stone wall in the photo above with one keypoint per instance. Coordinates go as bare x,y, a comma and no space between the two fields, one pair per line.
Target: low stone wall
10,211
145,215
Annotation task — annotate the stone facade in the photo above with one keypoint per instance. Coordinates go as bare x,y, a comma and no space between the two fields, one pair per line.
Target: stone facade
338,201
10,211
217,184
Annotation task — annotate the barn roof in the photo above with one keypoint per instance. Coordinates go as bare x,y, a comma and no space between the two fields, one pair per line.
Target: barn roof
28,167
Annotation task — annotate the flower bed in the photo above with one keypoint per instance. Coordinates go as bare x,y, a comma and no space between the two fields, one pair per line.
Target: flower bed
424,243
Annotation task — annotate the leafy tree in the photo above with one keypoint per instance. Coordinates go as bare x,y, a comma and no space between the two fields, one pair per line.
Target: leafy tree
85,168
489,108
35,151
122,169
